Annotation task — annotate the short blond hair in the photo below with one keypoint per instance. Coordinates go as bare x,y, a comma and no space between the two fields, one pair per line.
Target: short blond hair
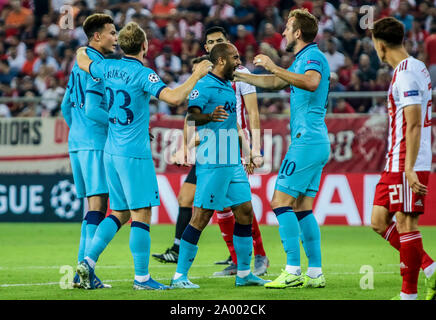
131,38
306,23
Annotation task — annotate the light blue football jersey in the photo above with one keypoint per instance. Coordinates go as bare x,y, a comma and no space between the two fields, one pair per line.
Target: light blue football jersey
84,92
308,109
219,144
128,88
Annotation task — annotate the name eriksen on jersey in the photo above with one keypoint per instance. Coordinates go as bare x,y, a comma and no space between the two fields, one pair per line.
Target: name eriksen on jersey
115,73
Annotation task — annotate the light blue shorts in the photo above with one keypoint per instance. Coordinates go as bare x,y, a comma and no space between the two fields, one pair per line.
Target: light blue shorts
132,182
221,187
88,172
300,171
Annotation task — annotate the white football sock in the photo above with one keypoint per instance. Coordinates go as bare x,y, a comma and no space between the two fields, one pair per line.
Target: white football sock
430,270
142,278
296,270
314,272
177,275
405,296
243,273
91,262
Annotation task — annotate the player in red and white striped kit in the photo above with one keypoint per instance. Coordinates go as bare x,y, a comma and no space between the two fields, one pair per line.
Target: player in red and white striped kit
246,100
402,188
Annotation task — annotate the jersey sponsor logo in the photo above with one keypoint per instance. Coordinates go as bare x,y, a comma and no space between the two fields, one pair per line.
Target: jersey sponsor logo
153,78
411,93
194,94
230,107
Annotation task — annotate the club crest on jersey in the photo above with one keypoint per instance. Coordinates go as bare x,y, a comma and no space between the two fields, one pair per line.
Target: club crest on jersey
153,78
194,94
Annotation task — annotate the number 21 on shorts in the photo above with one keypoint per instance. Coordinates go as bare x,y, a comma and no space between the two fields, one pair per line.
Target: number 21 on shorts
396,193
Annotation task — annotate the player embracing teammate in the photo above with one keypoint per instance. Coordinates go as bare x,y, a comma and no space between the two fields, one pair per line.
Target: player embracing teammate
128,162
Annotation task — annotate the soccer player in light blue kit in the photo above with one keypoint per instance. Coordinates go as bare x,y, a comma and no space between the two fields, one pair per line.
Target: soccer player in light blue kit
221,179
300,172
133,188
87,135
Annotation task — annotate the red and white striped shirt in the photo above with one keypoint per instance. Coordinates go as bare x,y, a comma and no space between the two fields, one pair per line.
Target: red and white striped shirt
242,89
410,85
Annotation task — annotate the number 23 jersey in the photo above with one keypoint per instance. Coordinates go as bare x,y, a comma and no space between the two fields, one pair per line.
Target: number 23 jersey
128,88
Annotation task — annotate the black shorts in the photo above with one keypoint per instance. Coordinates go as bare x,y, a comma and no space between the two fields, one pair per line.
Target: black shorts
192,176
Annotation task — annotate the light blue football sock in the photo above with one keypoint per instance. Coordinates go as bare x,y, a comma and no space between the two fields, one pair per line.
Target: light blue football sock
93,219
289,234
188,249
243,243
310,237
82,243
140,247
103,235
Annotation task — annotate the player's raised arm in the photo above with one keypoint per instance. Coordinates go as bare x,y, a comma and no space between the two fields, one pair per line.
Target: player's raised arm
83,61
268,81
280,77
308,81
178,95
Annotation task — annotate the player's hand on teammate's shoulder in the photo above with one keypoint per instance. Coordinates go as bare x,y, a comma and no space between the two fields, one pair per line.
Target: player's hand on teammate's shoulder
417,187
203,68
81,50
219,114
264,61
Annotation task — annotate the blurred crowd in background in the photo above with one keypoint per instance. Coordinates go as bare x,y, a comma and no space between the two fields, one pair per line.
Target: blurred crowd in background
37,52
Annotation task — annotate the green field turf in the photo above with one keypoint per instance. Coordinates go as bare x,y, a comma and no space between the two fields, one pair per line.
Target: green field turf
31,257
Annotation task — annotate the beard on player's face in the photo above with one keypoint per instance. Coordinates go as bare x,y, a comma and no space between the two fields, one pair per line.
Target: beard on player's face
228,71
290,46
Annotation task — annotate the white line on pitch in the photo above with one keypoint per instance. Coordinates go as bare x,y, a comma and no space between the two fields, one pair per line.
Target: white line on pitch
169,265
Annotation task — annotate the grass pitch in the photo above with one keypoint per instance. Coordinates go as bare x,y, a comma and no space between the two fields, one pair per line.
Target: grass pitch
37,261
